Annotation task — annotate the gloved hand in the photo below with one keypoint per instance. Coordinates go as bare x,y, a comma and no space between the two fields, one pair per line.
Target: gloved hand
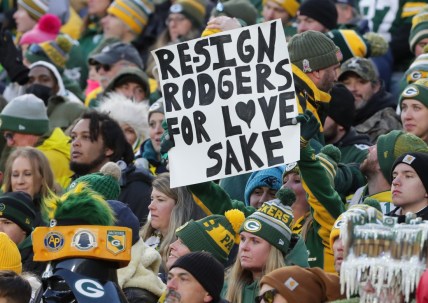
309,126
166,142
11,59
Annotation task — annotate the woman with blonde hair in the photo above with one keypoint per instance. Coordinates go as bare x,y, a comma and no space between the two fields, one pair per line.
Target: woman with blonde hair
28,170
169,209
265,241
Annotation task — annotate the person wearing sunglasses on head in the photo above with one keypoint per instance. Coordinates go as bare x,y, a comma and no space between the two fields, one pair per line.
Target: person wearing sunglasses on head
298,284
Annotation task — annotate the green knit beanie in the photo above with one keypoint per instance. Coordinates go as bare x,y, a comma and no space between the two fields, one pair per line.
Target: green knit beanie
329,156
25,114
419,29
312,51
392,145
416,91
215,234
240,9
271,222
195,10
106,182
18,207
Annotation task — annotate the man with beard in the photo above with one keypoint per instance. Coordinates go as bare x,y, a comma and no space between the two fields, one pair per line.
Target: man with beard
97,139
378,165
375,107
338,128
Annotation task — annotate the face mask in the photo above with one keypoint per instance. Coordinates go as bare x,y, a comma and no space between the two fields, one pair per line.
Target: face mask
40,91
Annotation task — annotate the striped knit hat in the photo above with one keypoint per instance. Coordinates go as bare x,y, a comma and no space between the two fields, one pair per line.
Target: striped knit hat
195,10
419,29
55,52
134,13
271,222
35,8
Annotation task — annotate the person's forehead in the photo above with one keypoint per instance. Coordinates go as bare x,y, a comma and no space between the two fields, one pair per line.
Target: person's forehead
81,126
178,271
40,71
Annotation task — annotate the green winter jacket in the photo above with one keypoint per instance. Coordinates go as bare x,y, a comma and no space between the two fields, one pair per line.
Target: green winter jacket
326,206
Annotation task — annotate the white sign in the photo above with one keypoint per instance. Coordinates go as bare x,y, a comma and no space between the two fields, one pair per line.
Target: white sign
229,102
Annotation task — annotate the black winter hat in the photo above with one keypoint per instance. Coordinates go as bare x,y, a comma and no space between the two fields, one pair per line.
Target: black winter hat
418,161
323,11
205,269
342,106
18,207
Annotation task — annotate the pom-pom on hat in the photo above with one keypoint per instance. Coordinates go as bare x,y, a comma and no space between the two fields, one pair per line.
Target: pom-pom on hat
323,11
10,257
18,207
25,114
205,269
105,182
272,222
215,234
271,177
392,145
312,51
342,106
47,29
134,13
35,8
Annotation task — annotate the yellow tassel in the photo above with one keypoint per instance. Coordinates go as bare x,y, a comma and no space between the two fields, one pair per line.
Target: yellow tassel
236,219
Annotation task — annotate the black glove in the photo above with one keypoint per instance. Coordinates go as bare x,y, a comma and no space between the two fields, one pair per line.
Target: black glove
309,126
11,59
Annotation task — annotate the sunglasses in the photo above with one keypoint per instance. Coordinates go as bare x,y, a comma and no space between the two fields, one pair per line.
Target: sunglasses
8,136
105,67
267,296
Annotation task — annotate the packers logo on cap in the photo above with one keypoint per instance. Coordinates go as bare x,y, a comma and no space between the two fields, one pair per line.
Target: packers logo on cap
176,8
410,92
2,207
252,225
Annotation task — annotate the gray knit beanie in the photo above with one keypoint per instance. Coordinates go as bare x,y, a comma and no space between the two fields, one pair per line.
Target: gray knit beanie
25,114
312,51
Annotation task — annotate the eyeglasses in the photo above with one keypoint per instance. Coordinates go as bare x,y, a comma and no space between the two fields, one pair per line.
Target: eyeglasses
267,296
105,67
8,136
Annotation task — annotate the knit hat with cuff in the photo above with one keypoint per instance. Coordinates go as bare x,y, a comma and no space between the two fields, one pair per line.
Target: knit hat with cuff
392,145
271,177
419,162
416,91
312,51
290,6
35,8
272,221
205,269
195,10
323,11
304,285
10,257
215,234
25,114
18,207
419,30
134,13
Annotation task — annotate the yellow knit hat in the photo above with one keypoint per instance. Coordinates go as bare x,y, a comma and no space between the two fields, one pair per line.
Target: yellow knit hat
134,13
290,6
10,258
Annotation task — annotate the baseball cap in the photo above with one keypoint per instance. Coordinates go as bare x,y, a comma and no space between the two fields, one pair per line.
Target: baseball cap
115,52
361,66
